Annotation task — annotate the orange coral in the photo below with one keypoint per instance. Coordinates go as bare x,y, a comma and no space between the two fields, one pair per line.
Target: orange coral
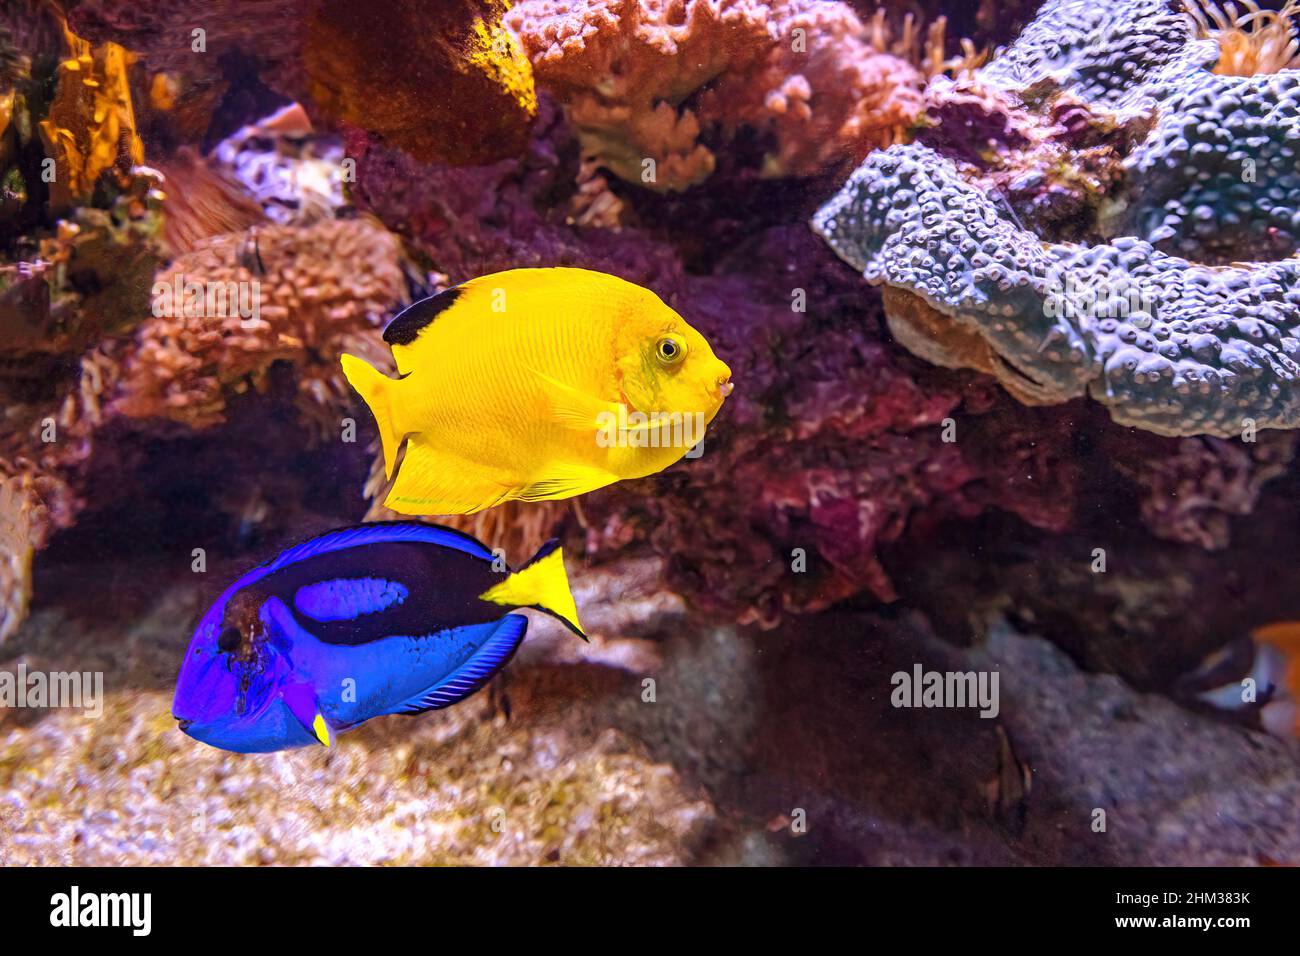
824,86
201,202
90,127
241,301
624,68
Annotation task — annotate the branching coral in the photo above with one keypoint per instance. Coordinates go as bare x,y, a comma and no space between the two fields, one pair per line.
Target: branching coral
625,67
826,92
642,79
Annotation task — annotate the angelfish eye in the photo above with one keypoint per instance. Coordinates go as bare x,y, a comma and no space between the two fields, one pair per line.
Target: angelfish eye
228,640
670,350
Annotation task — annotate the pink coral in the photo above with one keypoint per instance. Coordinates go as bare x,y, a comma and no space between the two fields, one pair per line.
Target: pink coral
806,74
825,93
625,67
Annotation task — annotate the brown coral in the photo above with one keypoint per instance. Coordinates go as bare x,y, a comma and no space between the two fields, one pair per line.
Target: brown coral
316,290
479,109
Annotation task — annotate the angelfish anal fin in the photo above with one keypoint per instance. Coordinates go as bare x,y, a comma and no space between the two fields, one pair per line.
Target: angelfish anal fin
302,703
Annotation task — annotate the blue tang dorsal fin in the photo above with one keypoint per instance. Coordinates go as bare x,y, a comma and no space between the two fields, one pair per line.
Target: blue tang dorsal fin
382,532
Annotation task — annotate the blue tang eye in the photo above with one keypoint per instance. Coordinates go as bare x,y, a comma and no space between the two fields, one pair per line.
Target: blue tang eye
228,640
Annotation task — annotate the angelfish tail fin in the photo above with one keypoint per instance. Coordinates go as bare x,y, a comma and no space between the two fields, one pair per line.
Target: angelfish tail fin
376,388
542,583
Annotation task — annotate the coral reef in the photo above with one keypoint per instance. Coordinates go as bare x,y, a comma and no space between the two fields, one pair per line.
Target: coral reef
1170,345
1104,208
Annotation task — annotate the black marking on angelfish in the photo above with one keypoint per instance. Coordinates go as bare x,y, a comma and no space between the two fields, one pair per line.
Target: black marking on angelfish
408,323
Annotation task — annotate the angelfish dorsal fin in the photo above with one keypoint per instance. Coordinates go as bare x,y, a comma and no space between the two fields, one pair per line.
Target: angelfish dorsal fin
407,324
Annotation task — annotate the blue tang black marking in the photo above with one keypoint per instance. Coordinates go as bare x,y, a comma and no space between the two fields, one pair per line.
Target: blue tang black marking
385,618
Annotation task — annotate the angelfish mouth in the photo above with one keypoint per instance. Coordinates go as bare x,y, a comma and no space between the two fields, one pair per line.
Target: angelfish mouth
726,388
184,725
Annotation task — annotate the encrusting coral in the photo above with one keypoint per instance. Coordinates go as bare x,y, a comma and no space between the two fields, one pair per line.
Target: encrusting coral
1169,345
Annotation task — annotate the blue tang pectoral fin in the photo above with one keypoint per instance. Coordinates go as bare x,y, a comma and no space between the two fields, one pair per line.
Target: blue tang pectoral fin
474,673
302,703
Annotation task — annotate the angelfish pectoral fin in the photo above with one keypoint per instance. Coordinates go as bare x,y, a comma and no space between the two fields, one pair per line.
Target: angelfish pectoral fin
302,703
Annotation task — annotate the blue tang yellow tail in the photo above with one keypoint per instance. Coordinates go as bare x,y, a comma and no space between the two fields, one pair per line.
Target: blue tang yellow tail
386,618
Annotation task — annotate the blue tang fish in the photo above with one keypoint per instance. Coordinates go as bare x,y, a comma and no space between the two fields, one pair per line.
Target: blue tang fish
386,618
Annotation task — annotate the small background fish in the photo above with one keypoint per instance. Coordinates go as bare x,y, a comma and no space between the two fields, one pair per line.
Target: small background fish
387,618
506,380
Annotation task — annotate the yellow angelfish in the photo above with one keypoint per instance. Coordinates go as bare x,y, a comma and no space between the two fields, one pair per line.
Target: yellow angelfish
535,384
